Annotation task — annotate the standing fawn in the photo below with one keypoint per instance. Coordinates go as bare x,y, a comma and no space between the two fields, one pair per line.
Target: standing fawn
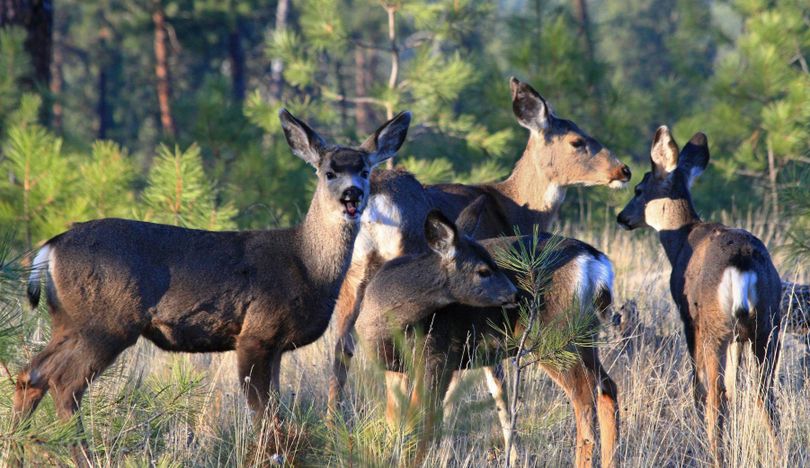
408,289
558,155
723,282
262,293
469,334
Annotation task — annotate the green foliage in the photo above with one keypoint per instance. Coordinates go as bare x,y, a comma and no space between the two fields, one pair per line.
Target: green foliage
178,193
547,342
14,64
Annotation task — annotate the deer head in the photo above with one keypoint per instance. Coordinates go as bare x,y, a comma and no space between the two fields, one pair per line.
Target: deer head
559,148
472,276
343,172
662,199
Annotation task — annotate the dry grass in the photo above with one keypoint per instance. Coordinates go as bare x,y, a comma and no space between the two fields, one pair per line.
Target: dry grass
138,414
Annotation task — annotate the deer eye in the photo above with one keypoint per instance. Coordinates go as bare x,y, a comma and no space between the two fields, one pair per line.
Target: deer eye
578,143
330,175
484,272
364,174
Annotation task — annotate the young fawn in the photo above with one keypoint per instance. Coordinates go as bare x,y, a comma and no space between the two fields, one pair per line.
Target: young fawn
262,293
558,155
408,289
723,282
469,334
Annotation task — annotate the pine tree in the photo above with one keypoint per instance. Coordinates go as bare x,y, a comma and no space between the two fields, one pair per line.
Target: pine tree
178,192
760,98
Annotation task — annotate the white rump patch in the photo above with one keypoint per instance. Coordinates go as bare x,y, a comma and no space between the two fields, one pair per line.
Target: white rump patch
380,230
594,273
737,291
44,259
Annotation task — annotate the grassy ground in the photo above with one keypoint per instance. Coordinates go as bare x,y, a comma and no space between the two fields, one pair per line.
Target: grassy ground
159,409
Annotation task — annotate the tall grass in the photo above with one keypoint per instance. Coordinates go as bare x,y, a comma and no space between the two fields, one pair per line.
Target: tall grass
159,409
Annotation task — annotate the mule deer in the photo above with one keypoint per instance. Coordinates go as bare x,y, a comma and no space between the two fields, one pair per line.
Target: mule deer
262,293
558,155
723,282
455,269
460,336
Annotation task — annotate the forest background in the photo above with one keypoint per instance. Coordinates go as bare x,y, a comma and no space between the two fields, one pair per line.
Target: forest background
165,110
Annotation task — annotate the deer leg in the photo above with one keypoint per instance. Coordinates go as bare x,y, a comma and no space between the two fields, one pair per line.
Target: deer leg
346,310
733,356
579,384
497,387
435,382
767,350
396,389
607,406
71,370
714,360
256,375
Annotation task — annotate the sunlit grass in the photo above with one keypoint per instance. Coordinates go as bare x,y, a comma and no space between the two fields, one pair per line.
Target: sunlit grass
158,409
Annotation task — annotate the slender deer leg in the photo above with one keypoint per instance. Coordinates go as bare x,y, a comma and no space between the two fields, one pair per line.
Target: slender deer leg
767,350
579,384
607,410
496,387
714,359
396,392
71,369
732,365
435,382
256,375
346,311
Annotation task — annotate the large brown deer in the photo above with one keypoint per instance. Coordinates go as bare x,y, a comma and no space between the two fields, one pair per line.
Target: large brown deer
459,336
558,155
261,293
723,282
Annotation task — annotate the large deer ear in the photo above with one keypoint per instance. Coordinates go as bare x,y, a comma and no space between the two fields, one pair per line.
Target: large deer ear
664,153
386,141
694,157
530,108
470,217
441,234
303,140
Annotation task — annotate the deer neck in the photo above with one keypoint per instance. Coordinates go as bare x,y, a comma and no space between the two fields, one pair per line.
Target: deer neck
676,220
326,240
420,276
533,184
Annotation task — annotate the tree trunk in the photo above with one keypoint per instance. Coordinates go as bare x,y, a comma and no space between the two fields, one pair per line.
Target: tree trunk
36,17
237,58
162,70
57,79
581,14
362,112
277,65
772,173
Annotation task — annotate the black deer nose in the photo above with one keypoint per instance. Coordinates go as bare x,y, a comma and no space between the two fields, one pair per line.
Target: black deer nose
352,194
626,172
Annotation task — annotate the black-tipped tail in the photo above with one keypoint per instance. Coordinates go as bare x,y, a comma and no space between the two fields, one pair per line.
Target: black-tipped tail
34,291
39,265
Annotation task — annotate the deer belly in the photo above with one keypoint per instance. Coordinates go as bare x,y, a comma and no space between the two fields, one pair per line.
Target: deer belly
198,330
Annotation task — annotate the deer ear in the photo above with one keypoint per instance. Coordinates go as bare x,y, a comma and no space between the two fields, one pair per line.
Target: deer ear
441,234
530,108
386,141
304,141
664,153
470,218
694,157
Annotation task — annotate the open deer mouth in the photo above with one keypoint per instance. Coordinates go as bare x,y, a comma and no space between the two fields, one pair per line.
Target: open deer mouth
351,206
